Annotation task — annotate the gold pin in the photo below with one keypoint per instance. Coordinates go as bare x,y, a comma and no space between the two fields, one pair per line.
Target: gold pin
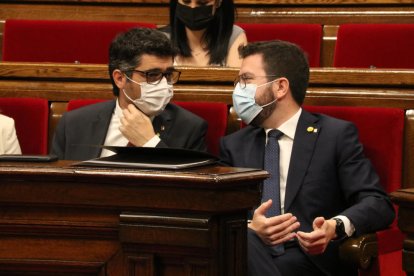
310,129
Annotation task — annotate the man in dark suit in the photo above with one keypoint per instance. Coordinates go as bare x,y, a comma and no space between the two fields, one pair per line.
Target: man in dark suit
328,189
142,74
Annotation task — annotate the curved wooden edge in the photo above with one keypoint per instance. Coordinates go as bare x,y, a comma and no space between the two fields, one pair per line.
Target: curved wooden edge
359,252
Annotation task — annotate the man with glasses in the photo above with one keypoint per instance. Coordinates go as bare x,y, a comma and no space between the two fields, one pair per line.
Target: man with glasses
321,189
142,75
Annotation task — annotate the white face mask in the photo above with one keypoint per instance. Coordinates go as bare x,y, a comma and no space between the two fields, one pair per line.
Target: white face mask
154,97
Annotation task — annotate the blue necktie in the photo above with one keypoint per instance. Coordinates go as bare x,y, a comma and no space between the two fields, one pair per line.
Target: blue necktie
271,186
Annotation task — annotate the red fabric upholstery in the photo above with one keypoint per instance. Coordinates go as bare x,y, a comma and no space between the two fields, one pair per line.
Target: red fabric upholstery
77,103
378,45
381,133
216,116
307,36
214,113
31,116
61,41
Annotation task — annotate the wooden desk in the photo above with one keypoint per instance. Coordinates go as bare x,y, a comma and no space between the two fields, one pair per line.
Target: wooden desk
405,200
59,219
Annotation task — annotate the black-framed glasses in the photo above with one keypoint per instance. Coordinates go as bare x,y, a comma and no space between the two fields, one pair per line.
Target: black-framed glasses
244,79
155,77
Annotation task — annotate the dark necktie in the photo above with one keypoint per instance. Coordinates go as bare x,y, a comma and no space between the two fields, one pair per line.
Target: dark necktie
271,186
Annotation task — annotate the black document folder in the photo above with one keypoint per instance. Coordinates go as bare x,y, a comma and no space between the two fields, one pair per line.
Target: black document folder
154,158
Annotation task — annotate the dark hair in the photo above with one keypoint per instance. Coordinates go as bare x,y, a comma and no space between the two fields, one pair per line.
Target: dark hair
127,48
282,59
217,35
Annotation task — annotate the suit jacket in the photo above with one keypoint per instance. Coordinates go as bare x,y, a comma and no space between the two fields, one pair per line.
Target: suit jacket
328,176
80,132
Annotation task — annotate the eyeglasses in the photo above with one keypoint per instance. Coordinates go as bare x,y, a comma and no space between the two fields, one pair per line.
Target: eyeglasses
154,77
244,79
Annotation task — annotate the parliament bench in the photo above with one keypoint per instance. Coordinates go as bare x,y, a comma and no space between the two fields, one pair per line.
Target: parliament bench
330,15
59,83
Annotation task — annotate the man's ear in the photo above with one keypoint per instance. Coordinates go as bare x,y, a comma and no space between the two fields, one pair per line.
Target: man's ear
119,78
281,86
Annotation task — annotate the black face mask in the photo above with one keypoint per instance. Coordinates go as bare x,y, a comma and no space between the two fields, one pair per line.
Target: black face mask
194,18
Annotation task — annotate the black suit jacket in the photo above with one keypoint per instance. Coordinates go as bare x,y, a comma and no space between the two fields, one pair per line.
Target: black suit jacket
328,176
80,132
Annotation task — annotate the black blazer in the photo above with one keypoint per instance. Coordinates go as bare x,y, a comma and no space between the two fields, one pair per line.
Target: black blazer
328,176
80,131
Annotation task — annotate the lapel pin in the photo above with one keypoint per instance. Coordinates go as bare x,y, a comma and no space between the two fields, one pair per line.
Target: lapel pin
162,128
311,129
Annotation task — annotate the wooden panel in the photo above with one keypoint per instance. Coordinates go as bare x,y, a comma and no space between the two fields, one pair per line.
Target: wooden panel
61,219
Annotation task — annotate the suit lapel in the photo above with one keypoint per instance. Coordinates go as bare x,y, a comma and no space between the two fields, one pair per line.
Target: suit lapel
255,147
162,124
306,136
99,127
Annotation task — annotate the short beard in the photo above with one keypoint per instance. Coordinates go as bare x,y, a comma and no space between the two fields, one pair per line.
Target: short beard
267,110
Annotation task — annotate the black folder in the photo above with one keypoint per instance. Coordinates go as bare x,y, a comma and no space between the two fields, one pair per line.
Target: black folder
154,158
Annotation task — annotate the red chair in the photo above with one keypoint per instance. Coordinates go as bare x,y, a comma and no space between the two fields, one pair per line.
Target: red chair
77,103
307,36
216,116
61,41
375,45
31,116
214,113
381,133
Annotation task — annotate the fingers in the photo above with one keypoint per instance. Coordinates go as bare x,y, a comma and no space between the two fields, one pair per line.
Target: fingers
314,242
262,209
136,126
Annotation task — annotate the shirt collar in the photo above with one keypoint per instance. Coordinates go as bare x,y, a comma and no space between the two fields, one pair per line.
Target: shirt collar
289,127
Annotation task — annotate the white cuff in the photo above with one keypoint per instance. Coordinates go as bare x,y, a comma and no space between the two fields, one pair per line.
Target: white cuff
349,227
153,142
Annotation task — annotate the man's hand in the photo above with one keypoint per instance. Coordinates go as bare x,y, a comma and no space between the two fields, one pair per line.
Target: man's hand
315,242
273,230
136,126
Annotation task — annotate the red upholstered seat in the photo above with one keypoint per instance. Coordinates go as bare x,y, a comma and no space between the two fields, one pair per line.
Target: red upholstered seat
214,113
216,116
307,36
375,45
61,41
381,133
31,116
77,103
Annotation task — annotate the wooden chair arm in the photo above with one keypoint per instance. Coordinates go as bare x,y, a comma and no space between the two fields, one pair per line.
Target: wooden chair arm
359,252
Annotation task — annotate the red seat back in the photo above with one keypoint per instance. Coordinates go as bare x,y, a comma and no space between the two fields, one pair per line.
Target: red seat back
77,103
61,41
31,116
307,36
381,133
216,116
375,45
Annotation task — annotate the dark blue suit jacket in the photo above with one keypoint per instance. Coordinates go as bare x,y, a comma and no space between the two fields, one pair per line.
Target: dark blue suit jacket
81,131
328,176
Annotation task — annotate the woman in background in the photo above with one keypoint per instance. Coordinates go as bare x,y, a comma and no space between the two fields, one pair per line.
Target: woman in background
204,33
8,138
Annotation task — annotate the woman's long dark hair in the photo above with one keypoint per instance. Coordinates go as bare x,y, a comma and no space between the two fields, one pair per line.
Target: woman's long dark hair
217,35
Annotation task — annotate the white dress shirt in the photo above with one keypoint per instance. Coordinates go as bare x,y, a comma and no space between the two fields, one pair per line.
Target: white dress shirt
114,136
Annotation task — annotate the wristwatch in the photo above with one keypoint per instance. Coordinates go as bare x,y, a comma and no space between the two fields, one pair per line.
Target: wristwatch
339,229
